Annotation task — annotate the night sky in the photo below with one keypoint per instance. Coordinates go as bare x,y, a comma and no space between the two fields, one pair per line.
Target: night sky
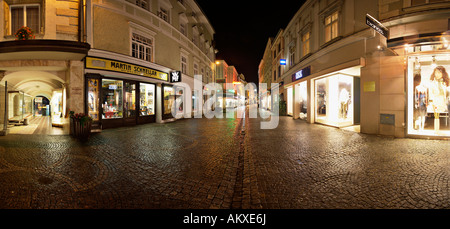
243,28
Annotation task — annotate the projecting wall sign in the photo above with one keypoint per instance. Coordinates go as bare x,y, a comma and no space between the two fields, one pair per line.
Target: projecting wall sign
175,77
377,26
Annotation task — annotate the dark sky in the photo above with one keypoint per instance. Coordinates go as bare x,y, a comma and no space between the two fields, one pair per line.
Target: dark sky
244,27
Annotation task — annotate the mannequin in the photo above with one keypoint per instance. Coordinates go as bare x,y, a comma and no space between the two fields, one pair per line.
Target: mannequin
344,98
421,101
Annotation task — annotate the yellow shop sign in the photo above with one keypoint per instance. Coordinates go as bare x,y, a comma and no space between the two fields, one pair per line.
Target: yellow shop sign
118,66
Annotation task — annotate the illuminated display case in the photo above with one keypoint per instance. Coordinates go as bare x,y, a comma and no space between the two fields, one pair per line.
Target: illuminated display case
428,91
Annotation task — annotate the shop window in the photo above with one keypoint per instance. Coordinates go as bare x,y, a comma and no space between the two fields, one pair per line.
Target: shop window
142,47
334,100
112,103
147,99
301,93
429,95
290,104
25,15
169,100
93,100
305,42
331,26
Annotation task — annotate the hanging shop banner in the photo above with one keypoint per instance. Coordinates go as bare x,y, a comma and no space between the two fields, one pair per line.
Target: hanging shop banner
122,67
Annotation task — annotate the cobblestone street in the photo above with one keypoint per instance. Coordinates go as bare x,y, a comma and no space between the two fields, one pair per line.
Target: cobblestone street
212,164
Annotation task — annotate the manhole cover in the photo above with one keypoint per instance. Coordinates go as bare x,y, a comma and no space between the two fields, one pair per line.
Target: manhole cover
45,180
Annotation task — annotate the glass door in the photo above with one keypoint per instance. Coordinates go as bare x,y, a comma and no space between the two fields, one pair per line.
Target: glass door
130,103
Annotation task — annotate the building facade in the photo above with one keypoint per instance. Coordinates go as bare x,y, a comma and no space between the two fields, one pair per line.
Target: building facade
341,72
119,60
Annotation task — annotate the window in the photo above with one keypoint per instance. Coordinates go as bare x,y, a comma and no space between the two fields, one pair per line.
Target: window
183,28
147,99
112,102
279,71
163,13
181,2
195,69
141,3
25,15
142,47
275,75
292,56
331,26
184,64
305,42
422,2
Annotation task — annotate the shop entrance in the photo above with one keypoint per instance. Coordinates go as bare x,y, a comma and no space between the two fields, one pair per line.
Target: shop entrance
36,103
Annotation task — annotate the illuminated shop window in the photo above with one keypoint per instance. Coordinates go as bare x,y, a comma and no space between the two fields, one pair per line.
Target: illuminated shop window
429,94
169,99
334,100
112,103
301,93
147,99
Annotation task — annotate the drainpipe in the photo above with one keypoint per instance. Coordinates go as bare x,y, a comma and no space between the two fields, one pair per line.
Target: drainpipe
5,126
81,21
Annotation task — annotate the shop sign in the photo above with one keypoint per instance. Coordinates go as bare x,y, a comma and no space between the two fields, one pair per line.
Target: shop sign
301,74
377,26
122,67
175,77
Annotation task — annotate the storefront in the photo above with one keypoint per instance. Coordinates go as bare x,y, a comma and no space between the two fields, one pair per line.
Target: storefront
115,97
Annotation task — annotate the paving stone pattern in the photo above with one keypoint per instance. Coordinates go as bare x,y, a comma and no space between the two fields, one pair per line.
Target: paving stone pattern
212,164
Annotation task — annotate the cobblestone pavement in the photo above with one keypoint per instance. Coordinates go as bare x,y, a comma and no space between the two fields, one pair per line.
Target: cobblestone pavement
213,164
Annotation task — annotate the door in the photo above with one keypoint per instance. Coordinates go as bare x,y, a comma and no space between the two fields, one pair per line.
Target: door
129,106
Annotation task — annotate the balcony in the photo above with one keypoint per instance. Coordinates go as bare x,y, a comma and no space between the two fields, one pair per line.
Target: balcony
43,49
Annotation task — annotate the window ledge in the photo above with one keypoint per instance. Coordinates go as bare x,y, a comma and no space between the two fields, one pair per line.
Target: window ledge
328,43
